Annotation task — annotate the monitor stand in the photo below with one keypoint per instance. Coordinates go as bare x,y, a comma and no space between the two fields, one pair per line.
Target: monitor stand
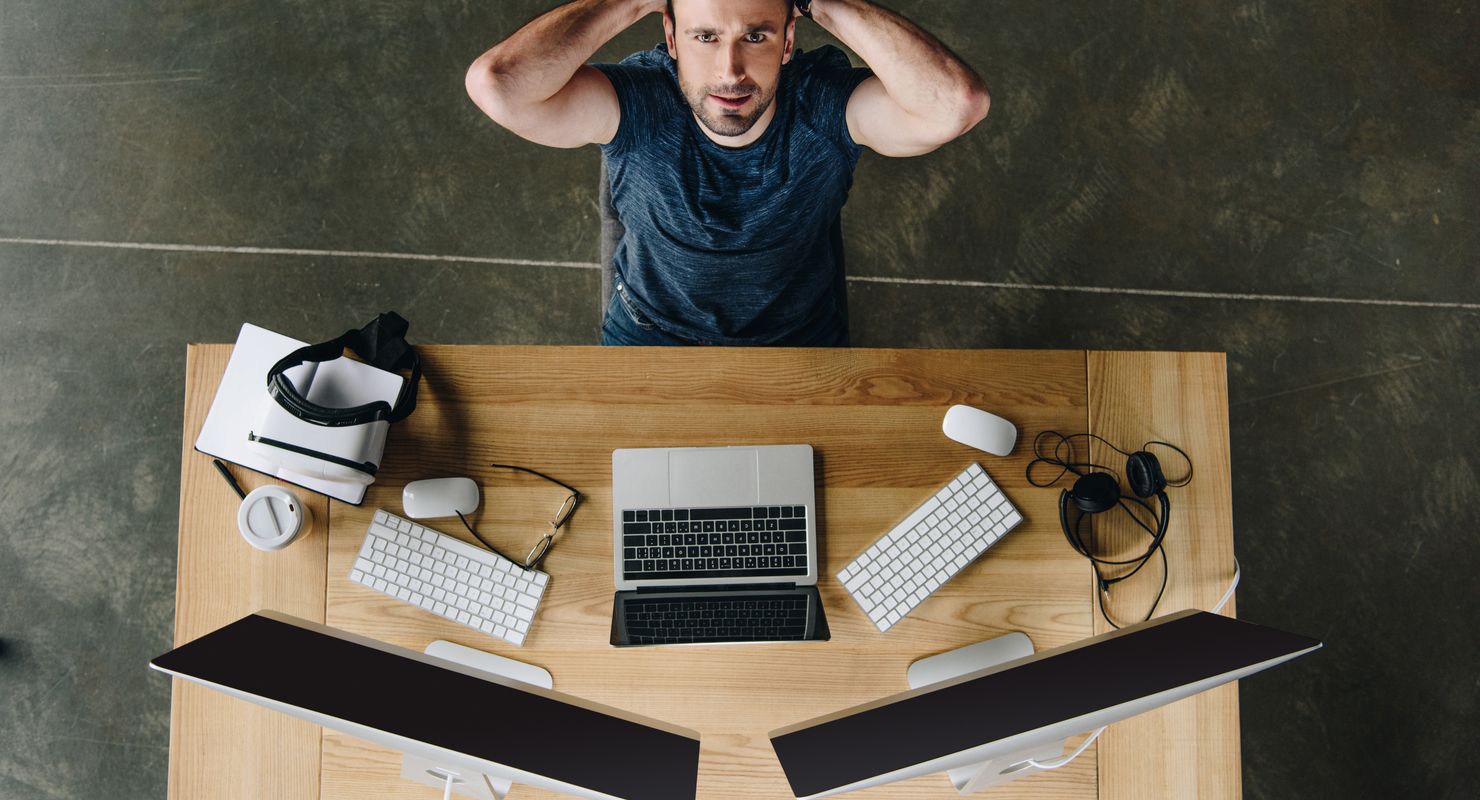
463,782
945,666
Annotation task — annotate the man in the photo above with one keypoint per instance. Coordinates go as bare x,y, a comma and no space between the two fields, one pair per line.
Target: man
730,154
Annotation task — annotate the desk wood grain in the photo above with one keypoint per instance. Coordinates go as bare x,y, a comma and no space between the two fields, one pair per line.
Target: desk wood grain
221,747
873,417
1190,748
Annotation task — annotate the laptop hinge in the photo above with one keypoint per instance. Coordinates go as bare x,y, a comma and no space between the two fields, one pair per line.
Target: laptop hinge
736,587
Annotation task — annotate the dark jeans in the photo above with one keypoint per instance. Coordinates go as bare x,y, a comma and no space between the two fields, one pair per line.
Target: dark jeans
625,325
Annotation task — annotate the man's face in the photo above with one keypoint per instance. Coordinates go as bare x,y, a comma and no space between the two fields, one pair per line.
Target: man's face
729,55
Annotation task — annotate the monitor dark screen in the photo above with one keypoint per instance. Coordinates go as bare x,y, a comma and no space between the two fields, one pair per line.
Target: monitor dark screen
388,692
1059,686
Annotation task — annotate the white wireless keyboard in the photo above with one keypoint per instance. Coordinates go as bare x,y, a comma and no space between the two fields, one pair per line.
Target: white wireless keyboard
947,532
449,577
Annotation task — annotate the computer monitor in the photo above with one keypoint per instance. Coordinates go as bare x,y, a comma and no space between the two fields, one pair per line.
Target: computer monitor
469,722
987,724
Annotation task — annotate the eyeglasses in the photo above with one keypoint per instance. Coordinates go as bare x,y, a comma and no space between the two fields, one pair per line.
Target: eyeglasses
542,547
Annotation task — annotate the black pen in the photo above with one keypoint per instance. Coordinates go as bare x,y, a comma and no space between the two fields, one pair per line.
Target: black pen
225,473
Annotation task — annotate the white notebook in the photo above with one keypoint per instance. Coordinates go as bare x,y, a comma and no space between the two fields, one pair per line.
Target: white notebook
238,404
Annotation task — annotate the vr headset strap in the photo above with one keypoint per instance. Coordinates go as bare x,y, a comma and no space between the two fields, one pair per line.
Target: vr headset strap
381,344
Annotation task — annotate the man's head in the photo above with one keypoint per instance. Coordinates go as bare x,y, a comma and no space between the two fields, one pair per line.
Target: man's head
729,55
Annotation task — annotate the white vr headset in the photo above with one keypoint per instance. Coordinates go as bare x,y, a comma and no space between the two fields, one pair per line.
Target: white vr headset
341,444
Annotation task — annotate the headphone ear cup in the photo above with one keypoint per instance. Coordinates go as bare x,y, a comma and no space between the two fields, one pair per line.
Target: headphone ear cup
1143,472
1095,492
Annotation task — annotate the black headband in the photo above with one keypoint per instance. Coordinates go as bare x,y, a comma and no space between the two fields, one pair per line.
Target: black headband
382,344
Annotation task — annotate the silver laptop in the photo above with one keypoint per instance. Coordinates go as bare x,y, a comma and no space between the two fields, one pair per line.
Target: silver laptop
715,544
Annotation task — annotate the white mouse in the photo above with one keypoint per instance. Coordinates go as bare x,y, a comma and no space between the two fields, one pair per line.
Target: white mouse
439,497
976,428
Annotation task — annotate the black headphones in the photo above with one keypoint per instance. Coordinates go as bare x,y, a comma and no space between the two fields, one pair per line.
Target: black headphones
1097,490
382,344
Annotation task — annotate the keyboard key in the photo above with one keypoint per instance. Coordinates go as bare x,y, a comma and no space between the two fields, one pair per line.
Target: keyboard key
709,514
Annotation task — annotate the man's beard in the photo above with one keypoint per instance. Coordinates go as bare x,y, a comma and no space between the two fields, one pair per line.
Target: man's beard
723,123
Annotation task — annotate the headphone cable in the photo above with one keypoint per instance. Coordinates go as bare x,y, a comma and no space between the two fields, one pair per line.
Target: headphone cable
1059,762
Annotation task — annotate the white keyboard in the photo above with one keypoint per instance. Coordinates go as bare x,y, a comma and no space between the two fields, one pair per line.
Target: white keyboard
449,577
947,532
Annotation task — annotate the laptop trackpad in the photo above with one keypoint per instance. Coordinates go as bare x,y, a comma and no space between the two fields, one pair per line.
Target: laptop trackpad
713,477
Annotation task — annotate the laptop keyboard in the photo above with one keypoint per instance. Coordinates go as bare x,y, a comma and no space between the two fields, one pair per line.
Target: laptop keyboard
707,543
686,620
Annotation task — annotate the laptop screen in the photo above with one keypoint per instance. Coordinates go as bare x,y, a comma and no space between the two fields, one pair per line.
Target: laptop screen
718,615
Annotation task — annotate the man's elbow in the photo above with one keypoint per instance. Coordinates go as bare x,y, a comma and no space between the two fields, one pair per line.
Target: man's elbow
970,108
494,87
482,84
974,107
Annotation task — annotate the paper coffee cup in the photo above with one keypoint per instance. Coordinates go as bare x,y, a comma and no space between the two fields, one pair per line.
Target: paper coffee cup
271,517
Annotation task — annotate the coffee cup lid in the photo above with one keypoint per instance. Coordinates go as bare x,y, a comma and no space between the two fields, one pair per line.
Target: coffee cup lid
270,518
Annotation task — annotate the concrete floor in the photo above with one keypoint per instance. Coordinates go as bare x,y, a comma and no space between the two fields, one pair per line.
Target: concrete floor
1293,184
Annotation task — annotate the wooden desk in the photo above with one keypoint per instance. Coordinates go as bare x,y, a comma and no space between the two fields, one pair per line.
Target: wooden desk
874,418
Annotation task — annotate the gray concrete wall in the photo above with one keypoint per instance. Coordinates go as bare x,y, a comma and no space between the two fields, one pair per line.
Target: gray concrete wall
1293,184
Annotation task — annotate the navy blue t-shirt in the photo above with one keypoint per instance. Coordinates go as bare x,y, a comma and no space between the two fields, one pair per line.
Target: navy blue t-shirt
731,245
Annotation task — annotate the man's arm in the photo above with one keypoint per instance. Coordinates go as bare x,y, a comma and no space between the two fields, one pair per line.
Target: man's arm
536,82
921,95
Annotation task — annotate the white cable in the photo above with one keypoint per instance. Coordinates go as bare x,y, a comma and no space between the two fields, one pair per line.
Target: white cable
1065,760
1228,595
1223,601
447,793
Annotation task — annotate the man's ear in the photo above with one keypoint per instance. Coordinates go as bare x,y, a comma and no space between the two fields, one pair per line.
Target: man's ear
668,31
791,33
